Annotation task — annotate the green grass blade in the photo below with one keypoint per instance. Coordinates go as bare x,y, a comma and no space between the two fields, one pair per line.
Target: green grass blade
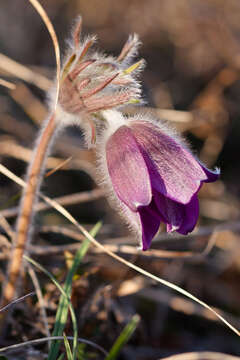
41,268
61,357
67,347
10,202
62,311
123,338
81,352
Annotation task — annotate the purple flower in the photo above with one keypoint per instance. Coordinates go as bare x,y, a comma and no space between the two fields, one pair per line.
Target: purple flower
154,177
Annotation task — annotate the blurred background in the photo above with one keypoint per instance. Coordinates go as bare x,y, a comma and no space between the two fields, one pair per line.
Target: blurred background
192,81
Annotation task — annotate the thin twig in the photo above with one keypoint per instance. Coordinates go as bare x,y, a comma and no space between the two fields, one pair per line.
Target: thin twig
72,199
41,301
123,249
16,301
51,338
118,246
10,148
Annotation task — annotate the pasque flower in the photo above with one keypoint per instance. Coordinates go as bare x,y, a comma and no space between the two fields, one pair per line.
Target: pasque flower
153,176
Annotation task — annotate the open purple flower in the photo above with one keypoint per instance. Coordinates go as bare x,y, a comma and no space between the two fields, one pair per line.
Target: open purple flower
154,176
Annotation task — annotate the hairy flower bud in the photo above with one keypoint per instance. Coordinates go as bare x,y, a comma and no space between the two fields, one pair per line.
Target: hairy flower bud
152,175
92,81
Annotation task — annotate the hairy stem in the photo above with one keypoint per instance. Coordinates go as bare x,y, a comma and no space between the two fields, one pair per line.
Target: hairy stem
33,181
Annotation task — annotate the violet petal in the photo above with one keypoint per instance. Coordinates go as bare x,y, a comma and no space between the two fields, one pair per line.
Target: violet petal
212,175
150,222
178,217
191,211
127,169
172,212
173,170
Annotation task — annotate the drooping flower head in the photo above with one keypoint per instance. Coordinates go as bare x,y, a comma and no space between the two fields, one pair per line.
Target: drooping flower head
153,176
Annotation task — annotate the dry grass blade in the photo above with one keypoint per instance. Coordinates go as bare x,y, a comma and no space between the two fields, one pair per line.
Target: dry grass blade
173,301
50,172
30,103
22,72
7,84
7,228
68,216
53,35
10,148
202,355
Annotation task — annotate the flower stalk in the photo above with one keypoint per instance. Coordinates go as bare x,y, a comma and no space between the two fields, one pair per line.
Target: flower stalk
33,181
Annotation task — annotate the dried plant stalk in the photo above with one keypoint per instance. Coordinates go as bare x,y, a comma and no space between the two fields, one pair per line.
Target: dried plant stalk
34,177
33,180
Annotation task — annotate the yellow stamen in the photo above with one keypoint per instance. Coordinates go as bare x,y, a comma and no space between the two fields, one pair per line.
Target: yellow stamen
67,67
134,101
133,67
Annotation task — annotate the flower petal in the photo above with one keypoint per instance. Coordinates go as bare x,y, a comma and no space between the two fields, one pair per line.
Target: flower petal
212,175
191,211
174,171
127,169
171,211
150,222
178,217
